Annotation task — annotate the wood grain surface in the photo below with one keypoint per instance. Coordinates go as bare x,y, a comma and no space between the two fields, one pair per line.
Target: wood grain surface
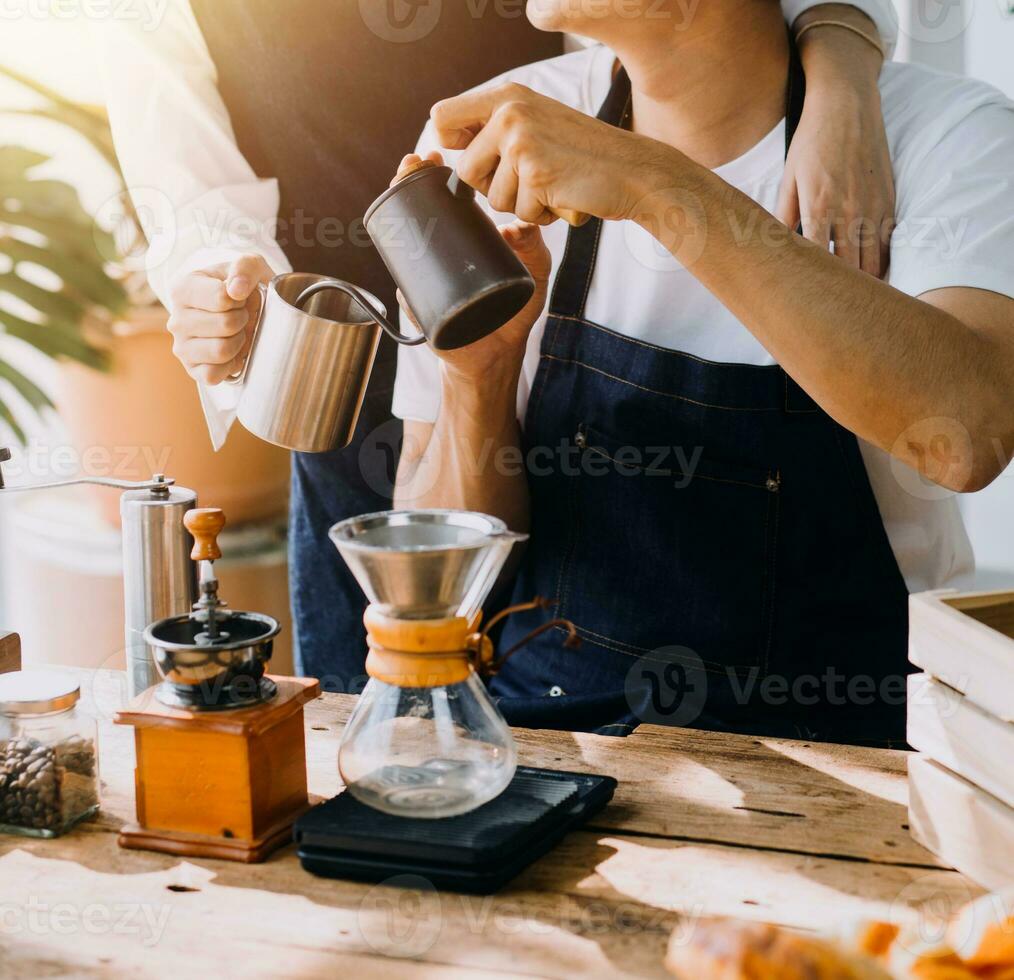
802,834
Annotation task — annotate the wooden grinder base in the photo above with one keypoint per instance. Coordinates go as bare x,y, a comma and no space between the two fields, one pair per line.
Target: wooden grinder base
219,784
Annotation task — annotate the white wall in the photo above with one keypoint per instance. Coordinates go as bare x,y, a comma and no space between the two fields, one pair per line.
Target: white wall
989,43
989,55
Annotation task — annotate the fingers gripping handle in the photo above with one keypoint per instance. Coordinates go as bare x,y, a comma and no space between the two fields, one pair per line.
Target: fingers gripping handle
573,218
238,379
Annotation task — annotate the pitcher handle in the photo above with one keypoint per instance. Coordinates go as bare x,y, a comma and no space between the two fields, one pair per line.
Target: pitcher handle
362,301
238,379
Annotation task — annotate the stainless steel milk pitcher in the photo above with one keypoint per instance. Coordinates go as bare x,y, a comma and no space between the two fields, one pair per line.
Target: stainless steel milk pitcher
310,361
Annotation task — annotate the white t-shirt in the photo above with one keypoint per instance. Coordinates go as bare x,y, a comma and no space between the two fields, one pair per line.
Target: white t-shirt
952,142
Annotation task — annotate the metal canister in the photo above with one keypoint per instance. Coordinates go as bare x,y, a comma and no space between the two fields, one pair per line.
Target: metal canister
159,579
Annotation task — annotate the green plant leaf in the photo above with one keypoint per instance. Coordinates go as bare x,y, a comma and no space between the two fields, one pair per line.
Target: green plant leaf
46,197
16,161
55,339
95,131
52,305
28,389
87,115
78,274
6,415
84,240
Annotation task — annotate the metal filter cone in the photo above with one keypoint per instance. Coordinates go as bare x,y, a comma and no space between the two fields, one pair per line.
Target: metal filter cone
425,564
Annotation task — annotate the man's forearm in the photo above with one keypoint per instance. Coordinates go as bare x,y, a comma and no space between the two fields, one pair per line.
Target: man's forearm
473,457
878,361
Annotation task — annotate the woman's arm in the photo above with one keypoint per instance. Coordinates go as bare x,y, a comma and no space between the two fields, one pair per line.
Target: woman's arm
206,214
838,181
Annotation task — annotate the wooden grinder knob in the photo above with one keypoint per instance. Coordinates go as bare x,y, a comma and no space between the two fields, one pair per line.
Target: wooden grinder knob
205,524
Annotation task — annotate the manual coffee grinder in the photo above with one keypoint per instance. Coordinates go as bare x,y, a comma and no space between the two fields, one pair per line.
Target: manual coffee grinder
221,754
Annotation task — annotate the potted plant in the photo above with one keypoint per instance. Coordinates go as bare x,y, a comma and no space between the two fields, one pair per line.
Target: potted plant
67,290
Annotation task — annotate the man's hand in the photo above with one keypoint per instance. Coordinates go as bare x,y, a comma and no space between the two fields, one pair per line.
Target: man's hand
214,312
528,153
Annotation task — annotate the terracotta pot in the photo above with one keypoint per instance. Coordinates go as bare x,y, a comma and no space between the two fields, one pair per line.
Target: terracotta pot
144,416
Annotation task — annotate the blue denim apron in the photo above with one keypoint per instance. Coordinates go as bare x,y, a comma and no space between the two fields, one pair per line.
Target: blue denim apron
709,530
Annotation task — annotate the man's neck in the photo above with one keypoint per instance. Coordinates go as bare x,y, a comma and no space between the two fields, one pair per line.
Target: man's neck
716,88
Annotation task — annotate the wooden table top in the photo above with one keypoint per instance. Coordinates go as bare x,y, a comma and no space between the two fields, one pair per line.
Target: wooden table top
803,834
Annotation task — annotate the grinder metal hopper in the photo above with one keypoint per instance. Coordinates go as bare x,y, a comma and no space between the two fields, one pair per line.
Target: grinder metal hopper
425,564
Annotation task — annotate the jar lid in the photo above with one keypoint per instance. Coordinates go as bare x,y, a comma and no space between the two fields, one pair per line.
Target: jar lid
37,692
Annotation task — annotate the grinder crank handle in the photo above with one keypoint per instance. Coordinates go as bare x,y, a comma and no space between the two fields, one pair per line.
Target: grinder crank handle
205,524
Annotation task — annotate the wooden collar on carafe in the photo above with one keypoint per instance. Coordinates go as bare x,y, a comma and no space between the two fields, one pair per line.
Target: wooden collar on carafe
423,652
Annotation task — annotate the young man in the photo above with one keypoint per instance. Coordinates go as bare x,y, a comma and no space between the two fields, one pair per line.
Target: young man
732,450
254,134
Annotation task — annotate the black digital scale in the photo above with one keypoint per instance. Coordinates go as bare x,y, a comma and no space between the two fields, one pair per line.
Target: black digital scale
476,852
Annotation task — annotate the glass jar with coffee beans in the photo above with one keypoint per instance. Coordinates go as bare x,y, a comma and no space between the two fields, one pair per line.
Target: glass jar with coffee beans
48,755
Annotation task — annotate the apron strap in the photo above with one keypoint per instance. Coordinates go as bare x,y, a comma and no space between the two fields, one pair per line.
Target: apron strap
570,291
574,279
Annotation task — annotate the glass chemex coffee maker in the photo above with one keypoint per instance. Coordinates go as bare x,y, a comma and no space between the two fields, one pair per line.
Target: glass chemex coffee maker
433,786
425,740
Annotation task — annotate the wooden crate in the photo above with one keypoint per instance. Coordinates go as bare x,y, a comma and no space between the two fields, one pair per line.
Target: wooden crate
10,652
963,825
966,640
946,726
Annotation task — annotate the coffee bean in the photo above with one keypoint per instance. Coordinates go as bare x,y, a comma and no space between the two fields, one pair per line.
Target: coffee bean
45,787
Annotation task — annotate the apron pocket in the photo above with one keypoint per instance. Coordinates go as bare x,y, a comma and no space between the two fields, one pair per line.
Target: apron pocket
671,548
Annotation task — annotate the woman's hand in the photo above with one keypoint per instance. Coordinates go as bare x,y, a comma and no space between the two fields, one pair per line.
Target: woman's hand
214,312
503,350
530,154
838,178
